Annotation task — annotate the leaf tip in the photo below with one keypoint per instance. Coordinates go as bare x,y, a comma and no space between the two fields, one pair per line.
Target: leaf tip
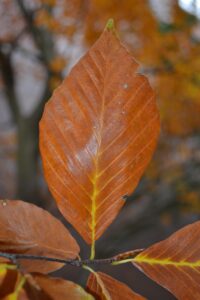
110,25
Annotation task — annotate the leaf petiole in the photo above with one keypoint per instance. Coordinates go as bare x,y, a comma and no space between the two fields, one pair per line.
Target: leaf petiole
124,261
92,255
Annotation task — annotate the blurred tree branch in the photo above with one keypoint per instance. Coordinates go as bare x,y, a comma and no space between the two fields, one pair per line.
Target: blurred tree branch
27,126
9,83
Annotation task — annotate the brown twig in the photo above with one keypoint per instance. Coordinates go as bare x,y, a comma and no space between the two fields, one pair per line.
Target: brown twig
13,257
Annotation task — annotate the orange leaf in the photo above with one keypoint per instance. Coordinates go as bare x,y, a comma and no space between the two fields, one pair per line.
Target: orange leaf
14,285
97,135
45,288
28,229
104,287
175,262
8,279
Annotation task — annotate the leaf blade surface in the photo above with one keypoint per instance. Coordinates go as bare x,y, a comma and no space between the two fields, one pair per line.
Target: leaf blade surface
104,287
28,229
46,288
97,135
175,262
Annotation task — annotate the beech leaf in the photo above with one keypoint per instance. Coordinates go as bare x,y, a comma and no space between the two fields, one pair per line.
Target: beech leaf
28,229
97,135
8,279
104,287
45,288
175,262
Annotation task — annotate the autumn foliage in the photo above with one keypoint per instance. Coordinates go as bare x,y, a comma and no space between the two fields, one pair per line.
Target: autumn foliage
97,135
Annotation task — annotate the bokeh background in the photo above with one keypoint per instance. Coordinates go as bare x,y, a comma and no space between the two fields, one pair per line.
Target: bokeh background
40,40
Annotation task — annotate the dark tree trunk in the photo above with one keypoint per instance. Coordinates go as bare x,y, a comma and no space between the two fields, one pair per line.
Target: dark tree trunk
27,161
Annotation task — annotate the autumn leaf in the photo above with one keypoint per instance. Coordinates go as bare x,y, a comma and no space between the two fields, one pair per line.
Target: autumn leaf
97,135
175,262
28,229
40,287
45,288
8,279
104,287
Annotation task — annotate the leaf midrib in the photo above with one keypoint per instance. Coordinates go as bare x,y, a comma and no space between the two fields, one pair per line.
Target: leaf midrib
95,181
164,262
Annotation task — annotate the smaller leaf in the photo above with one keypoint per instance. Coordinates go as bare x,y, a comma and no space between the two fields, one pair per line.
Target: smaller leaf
175,262
40,287
104,287
8,279
46,288
28,229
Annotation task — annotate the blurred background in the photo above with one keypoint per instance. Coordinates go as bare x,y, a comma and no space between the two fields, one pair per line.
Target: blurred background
40,40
